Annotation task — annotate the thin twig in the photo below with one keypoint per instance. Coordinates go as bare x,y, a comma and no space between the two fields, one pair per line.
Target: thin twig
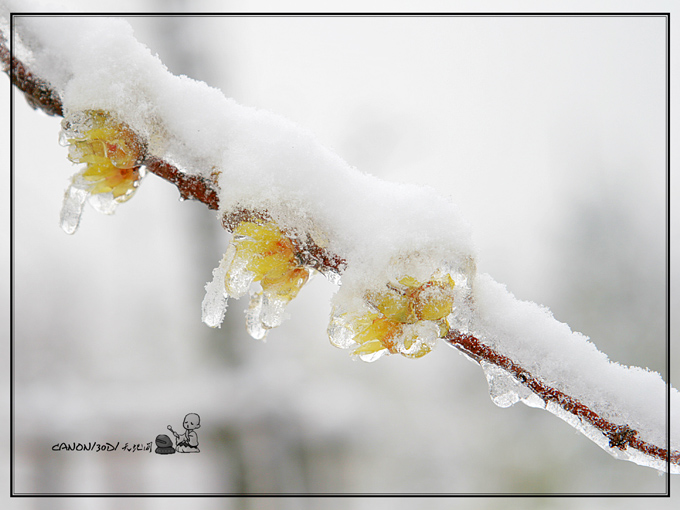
190,186
620,436
38,92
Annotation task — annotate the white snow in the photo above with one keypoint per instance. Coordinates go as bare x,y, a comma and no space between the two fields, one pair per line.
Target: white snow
568,361
266,162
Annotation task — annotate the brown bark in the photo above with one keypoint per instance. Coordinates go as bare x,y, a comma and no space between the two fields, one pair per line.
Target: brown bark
38,92
620,436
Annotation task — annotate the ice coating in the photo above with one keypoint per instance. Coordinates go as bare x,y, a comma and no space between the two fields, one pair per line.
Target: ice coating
406,315
72,208
595,435
112,156
504,389
567,361
215,303
259,252
265,312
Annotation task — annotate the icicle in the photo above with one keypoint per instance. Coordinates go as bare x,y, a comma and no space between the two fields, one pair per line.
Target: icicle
214,304
254,324
339,331
504,389
237,278
72,208
259,252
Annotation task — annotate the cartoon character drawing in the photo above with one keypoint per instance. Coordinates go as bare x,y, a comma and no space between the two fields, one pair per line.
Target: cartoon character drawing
189,441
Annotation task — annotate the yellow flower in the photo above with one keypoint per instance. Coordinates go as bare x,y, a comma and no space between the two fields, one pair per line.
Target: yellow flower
111,151
261,252
406,317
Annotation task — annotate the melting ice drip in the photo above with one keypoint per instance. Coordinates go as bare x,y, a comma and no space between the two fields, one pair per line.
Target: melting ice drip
259,252
264,312
505,390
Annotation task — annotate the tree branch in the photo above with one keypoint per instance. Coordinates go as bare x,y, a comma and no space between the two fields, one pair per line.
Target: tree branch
620,436
41,95
38,92
190,186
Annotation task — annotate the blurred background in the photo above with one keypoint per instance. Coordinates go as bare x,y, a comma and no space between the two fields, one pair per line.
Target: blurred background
550,132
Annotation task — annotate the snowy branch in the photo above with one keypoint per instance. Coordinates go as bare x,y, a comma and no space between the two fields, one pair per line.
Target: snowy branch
40,95
422,289
190,187
619,436
38,92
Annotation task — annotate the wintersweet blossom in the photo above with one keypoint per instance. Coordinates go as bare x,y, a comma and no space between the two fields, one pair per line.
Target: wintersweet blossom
112,154
260,252
405,317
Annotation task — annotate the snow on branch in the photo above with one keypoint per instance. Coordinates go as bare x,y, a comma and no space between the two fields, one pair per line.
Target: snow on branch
403,254
38,92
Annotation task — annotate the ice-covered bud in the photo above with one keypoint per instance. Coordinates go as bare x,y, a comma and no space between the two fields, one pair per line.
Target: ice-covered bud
112,153
405,317
260,252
